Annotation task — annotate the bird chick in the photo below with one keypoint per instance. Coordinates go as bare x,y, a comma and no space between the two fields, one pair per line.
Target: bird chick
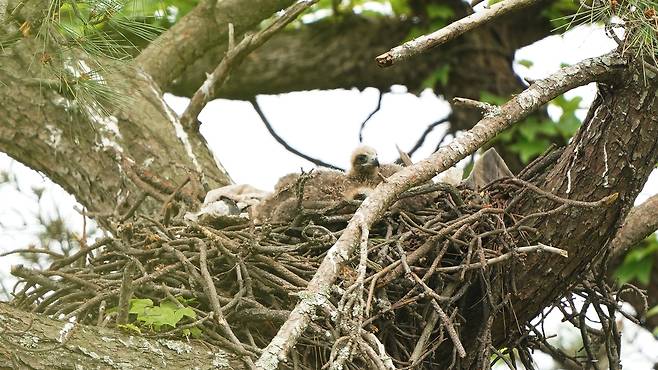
324,188
364,165
365,168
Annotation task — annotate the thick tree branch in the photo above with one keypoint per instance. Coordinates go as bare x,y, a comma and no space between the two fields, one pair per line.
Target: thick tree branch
204,27
538,94
343,49
30,341
622,120
82,148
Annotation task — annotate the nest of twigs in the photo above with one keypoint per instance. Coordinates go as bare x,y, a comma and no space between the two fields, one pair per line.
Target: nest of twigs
426,270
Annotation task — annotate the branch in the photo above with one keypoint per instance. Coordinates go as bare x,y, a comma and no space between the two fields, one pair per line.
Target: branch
28,340
280,140
449,32
641,221
427,131
203,28
374,111
318,289
235,55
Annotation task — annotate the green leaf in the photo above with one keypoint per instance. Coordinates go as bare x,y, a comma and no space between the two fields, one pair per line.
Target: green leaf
638,262
138,306
439,12
188,312
529,149
400,7
440,75
193,331
652,311
634,270
526,63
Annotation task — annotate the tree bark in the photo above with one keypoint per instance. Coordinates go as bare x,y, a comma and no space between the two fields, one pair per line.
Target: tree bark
85,150
613,152
30,341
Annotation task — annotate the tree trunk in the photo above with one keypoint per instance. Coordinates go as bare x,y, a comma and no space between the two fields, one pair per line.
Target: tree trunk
93,155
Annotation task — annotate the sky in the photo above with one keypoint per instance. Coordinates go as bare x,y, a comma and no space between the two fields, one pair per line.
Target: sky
325,125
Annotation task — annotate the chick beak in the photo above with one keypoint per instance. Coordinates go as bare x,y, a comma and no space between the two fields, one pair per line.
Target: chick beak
374,162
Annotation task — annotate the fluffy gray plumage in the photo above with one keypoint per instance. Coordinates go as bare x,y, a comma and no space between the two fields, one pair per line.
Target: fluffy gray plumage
324,188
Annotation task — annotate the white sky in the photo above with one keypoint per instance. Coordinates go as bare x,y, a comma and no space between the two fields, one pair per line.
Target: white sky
323,124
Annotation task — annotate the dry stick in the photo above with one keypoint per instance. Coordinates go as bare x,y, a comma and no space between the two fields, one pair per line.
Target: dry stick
235,55
447,323
422,138
374,111
126,293
506,256
281,141
449,32
319,288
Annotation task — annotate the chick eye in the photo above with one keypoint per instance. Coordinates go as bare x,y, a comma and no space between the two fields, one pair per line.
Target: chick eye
361,158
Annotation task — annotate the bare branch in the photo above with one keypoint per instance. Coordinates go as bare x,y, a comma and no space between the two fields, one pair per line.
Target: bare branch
216,79
377,108
373,207
449,32
280,140
427,131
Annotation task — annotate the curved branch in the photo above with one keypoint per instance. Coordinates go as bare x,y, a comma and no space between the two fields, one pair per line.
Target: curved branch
280,140
204,27
374,111
538,94
235,55
421,139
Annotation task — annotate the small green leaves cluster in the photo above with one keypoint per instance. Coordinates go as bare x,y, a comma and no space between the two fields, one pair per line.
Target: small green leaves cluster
164,316
532,136
638,262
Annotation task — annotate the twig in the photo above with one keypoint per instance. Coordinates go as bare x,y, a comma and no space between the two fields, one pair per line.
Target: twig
422,138
506,256
377,108
126,293
235,55
484,108
449,32
386,192
280,140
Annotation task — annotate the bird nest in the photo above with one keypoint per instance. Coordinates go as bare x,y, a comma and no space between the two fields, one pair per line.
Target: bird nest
402,305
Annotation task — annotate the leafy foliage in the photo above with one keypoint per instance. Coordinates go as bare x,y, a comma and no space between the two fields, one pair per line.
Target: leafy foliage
638,263
637,18
167,313
79,39
531,137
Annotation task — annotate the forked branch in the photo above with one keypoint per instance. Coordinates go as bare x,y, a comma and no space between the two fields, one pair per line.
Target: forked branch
235,55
